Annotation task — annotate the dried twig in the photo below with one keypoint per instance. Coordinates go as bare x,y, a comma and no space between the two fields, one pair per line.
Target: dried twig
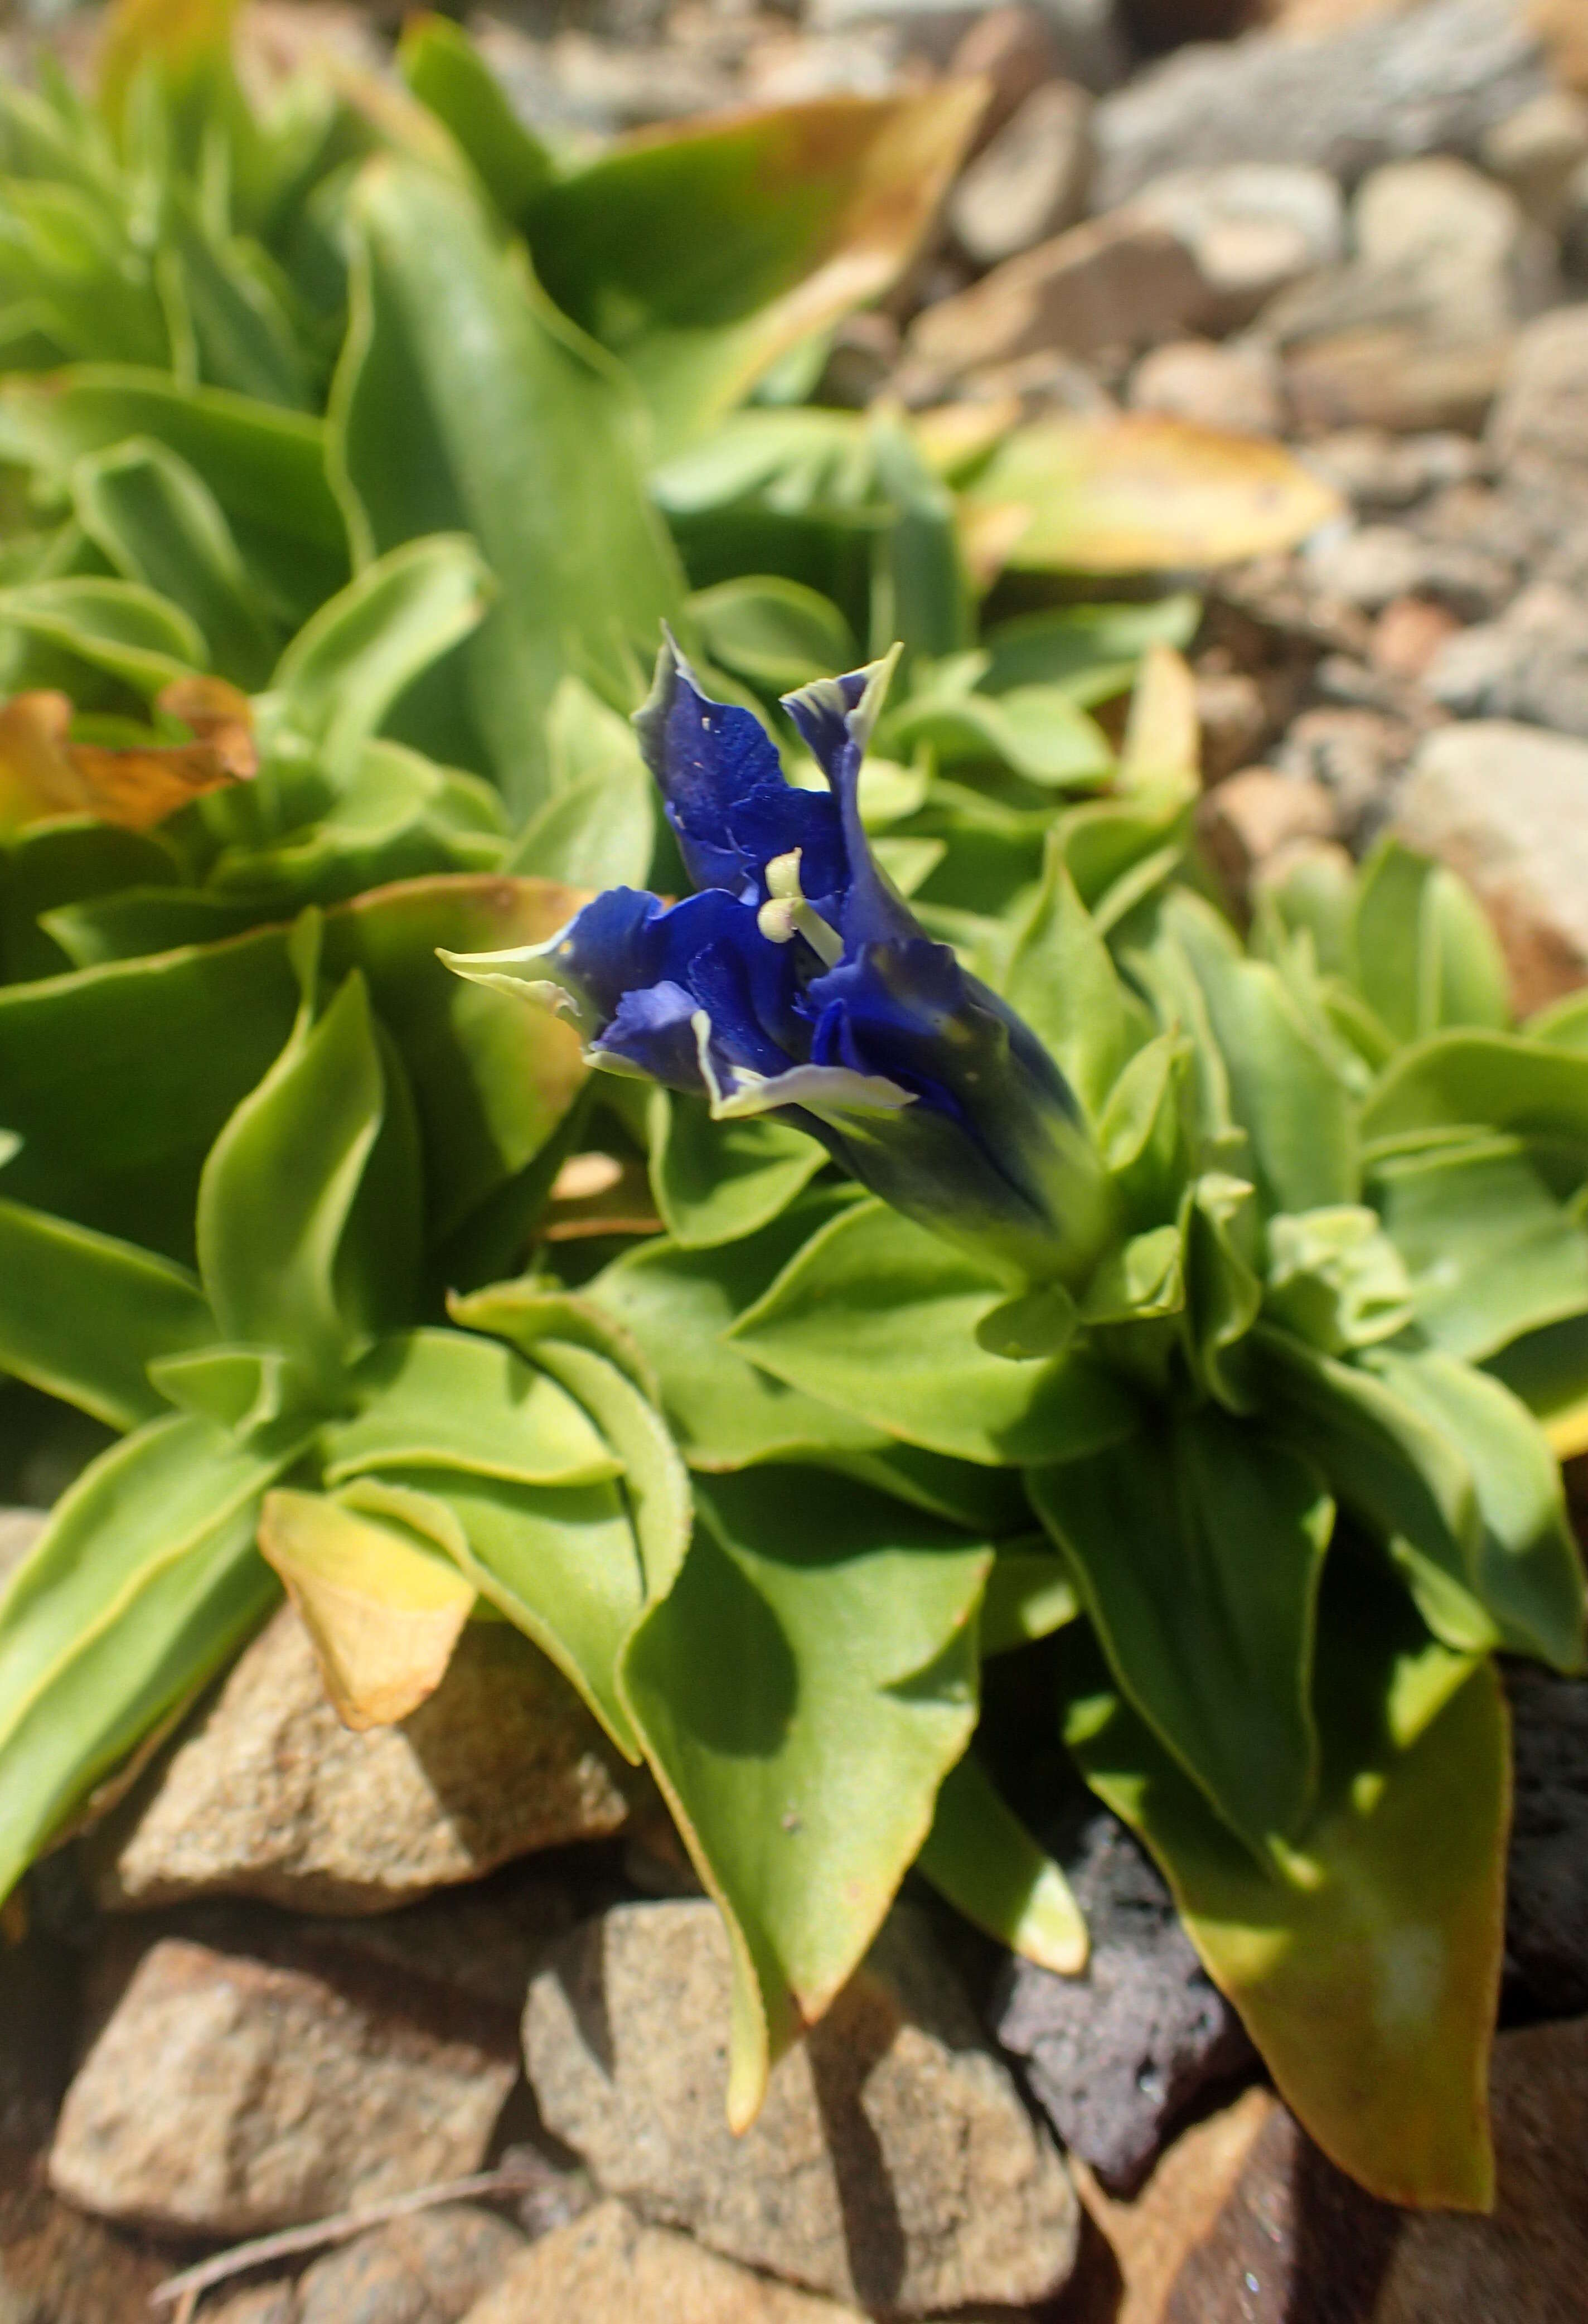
185,2289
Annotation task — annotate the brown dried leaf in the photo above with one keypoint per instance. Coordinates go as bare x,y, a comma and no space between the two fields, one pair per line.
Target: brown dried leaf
43,773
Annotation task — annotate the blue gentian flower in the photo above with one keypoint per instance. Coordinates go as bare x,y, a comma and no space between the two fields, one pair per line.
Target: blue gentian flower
797,981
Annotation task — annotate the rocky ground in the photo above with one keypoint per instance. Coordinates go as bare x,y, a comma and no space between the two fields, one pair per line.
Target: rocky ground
285,1977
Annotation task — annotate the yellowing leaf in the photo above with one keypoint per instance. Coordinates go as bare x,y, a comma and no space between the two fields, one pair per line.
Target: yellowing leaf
177,35
1137,494
1163,740
702,253
384,1614
42,774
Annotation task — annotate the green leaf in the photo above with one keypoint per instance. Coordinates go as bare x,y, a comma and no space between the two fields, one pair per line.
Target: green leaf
157,522
1492,1254
447,72
341,673
464,401
449,1400
266,467
802,1691
980,1856
1528,1572
1091,651
492,1081
559,1561
1498,1081
118,1079
702,253
115,626
716,1181
144,1581
1450,1471
82,1315
1426,955
1029,1595
680,1306
289,1255
776,634
1198,1550
1335,1279
1062,981
598,828
1284,1089
656,1484
881,1317
1365,1959
1035,730
1224,1288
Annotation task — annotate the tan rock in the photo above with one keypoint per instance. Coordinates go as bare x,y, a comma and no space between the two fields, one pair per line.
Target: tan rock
1389,376
893,2163
1240,388
1030,181
1408,635
269,1795
1544,409
226,2095
1507,806
1120,281
1013,49
1245,2222
430,2269
607,2268
1244,822
1538,150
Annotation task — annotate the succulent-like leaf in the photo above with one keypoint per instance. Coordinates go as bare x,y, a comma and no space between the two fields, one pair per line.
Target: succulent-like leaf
980,1856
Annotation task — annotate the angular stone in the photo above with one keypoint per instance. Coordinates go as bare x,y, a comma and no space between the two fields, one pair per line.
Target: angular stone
1029,182
1374,565
1239,388
1089,45
429,2269
1113,2056
1537,151
1255,229
269,1795
225,2094
607,2268
1543,407
1507,806
256,2303
893,2163
1432,78
1117,282
1246,822
1391,376
1381,474
1546,1880
1532,664
1013,48
1357,755
1245,2222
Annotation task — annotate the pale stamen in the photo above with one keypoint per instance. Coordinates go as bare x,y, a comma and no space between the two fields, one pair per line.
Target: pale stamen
786,914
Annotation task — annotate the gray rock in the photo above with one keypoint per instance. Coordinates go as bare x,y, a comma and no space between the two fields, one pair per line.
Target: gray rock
1531,665
1375,564
1433,78
1255,229
1416,330
1013,49
227,2093
1087,43
1238,387
269,1795
1379,473
893,2163
1117,282
575,80
429,2269
1543,408
1546,1887
1030,182
1116,2055
608,2268
1358,755
1507,806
